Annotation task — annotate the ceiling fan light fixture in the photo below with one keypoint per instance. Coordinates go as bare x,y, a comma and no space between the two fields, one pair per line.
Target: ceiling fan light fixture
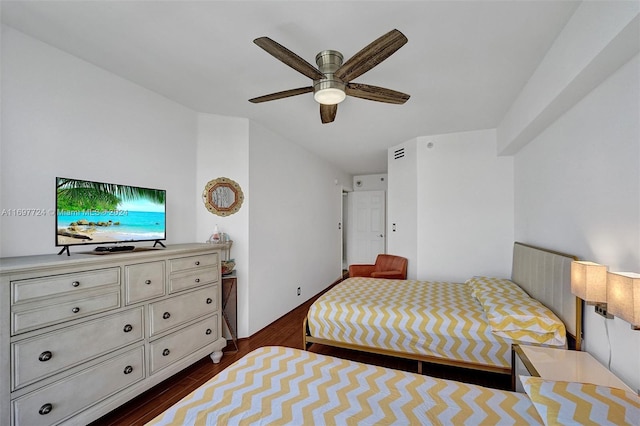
329,92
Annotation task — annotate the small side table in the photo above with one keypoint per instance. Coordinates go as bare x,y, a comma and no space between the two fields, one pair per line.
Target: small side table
561,365
230,307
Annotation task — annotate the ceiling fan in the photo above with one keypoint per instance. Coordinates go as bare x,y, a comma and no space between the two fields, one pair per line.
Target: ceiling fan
332,79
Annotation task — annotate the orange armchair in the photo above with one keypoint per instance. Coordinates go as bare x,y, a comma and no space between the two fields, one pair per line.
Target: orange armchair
386,266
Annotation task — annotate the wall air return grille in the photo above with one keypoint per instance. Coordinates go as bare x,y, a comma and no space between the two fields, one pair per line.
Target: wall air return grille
398,154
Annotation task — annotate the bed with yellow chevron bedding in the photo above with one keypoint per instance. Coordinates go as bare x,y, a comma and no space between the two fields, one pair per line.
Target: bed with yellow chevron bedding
471,324
285,386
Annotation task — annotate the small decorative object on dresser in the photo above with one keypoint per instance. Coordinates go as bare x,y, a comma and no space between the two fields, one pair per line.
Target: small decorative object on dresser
82,335
227,266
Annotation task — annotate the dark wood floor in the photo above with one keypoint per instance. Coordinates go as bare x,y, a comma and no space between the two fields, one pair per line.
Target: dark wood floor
286,331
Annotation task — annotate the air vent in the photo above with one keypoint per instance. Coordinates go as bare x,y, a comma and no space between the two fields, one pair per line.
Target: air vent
398,154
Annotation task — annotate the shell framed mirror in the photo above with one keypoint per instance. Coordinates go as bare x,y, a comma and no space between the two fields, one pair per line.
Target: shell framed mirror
222,196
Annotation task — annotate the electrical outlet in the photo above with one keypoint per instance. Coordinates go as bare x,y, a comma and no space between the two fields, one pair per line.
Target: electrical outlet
601,309
299,291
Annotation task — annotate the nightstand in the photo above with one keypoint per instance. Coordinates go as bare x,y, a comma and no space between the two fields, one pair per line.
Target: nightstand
230,308
561,365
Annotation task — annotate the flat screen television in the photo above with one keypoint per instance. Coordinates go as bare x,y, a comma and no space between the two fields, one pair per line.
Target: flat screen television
90,212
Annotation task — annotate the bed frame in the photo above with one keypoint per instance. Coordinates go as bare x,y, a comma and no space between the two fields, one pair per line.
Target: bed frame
544,274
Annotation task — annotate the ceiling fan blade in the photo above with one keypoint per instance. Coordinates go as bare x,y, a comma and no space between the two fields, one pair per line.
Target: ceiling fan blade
367,58
283,54
328,113
375,93
281,95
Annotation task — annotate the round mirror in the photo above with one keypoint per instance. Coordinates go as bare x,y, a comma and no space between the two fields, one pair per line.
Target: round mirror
222,196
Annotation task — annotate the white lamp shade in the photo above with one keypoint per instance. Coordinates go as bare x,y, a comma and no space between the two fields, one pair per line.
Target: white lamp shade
589,281
623,296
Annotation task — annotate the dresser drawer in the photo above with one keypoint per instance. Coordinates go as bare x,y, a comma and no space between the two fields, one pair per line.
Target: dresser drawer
170,313
143,281
184,263
32,316
183,342
193,278
42,356
56,285
71,395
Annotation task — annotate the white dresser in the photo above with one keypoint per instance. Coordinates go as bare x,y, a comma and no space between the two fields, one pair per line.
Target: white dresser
80,335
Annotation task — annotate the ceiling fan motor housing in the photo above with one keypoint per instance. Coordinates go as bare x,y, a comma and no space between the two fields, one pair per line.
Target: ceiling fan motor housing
328,62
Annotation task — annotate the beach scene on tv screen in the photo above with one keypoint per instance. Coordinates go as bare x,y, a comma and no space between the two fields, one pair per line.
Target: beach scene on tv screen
94,212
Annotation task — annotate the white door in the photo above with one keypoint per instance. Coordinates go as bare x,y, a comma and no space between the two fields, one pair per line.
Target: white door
366,227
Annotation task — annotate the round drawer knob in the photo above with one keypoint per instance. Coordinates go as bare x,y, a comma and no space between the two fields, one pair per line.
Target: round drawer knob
45,356
128,369
166,352
197,280
147,282
75,283
45,409
75,310
209,300
127,328
197,263
208,331
166,315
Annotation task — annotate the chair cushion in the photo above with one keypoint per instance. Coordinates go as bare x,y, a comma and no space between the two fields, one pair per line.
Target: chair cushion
386,266
394,275
361,270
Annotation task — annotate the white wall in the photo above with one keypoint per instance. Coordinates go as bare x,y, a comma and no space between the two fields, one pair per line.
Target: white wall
376,182
62,116
296,205
578,191
575,134
463,196
402,205
597,40
465,200
286,233
223,151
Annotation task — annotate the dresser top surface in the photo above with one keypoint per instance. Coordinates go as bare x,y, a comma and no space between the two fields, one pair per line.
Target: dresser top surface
89,257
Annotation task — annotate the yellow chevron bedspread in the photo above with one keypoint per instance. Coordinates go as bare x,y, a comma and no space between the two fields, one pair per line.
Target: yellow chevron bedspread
436,319
285,386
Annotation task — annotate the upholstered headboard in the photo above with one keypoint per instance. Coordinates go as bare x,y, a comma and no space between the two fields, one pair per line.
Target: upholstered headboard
546,276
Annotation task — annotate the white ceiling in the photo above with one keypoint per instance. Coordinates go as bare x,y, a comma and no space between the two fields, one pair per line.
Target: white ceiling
464,64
